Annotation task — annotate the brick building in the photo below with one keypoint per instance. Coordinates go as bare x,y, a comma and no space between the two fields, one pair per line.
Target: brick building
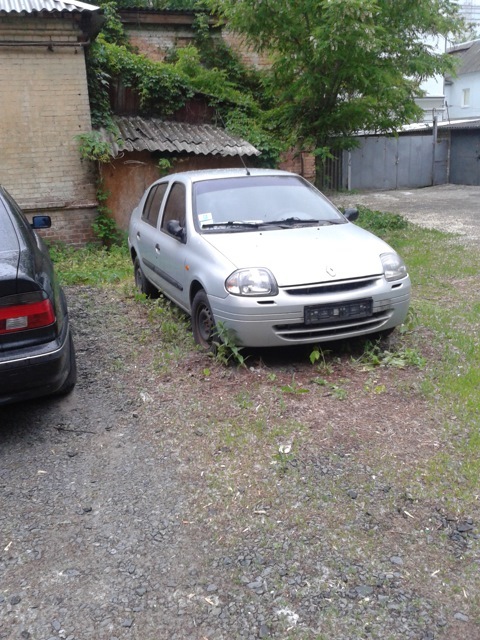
44,105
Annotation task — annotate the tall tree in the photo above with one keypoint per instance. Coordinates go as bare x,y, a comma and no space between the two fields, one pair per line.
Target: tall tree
340,66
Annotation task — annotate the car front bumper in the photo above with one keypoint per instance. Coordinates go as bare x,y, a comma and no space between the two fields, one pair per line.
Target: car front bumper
30,372
279,320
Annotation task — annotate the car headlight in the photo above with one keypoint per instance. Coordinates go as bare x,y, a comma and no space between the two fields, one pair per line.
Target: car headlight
251,282
393,266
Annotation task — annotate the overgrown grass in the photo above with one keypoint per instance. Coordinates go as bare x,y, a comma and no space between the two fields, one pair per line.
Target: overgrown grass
92,265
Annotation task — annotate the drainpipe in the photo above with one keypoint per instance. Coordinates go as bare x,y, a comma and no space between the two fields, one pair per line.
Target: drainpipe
48,44
349,171
434,142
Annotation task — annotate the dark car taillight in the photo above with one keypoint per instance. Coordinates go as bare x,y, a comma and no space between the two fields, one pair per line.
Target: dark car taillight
24,312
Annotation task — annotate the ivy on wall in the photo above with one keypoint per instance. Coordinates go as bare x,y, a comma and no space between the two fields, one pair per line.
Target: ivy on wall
209,68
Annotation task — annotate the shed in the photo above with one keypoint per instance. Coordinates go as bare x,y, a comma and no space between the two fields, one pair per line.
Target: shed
140,143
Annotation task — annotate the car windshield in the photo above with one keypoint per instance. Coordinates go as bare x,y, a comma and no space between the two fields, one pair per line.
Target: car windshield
252,202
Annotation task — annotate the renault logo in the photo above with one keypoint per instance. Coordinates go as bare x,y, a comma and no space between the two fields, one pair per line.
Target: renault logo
331,272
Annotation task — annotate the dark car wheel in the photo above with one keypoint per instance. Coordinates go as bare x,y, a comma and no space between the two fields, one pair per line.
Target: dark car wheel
71,379
203,324
143,285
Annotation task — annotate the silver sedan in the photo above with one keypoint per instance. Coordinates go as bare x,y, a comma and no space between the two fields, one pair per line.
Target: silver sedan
264,255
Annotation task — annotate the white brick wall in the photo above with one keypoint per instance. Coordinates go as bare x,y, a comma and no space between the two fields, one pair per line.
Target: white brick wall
43,106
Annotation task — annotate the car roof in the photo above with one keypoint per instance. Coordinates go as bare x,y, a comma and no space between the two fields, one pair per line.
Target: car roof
215,174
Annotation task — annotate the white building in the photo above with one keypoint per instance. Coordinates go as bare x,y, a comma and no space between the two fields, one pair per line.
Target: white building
437,89
462,91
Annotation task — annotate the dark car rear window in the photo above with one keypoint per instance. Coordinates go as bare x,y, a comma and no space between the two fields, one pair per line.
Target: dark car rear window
21,221
8,237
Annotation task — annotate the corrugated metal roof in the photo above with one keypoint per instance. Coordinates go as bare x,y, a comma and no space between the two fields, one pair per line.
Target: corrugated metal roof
46,6
468,56
474,123
464,123
154,134
419,127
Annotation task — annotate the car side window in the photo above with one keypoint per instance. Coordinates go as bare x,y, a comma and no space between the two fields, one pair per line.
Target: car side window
153,204
175,206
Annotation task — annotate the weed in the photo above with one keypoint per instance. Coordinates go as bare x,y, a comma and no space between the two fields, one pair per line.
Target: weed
335,390
318,357
104,226
294,388
244,400
93,147
226,348
339,392
374,356
411,321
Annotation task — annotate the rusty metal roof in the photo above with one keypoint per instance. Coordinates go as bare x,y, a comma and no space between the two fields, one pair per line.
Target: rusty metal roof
45,6
154,134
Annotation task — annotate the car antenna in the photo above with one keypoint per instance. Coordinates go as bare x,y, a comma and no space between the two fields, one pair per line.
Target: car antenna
240,155
244,165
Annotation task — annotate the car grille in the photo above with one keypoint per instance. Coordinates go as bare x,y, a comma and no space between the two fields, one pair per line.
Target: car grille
327,288
333,330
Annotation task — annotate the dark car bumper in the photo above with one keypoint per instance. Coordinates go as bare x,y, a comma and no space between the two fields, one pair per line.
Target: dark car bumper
36,371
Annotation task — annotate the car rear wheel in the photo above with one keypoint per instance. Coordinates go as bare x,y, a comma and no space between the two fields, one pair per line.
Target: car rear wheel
143,285
71,379
203,323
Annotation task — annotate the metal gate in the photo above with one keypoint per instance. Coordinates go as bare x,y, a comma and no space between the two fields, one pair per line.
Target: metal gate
405,162
465,157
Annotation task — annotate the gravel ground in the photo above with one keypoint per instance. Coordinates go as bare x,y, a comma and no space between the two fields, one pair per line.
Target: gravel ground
452,208
171,497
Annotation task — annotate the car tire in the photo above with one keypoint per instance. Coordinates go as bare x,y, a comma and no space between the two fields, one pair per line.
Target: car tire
203,323
143,285
71,379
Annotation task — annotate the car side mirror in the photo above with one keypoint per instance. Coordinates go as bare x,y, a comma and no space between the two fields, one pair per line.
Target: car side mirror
41,222
351,213
175,228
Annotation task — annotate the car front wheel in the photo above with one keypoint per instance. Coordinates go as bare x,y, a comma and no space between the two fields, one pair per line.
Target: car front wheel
203,323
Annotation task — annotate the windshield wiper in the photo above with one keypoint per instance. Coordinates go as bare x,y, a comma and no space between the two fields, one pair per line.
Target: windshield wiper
291,222
231,224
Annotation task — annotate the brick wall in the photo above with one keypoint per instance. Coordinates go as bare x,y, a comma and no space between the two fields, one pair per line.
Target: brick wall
155,40
302,163
71,226
248,56
44,105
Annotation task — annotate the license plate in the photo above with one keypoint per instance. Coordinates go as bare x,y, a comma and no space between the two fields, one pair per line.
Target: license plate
337,312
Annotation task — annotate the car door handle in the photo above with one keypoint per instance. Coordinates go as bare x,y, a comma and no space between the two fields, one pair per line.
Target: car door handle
157,248
138,235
